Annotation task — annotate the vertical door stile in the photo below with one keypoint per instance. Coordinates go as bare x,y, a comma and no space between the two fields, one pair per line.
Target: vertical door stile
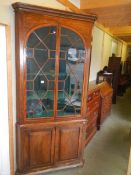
57,69
85,83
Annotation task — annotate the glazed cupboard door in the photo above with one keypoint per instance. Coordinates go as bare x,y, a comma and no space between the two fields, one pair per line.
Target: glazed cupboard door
36,149
71,73
54,73
40,72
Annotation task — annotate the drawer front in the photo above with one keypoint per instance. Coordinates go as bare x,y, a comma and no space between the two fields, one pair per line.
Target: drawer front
92,115
91,125
89,107
90,97
93,95
96,102
93,105
96,93
90,130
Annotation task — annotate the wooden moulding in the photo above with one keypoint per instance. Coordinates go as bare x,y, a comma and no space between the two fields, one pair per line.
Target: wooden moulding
53,12
10,99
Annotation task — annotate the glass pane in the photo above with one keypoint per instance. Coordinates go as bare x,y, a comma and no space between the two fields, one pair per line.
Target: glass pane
72,57
29,85
40,85
41,56
49,69
32,69
29,53
65,105
40,72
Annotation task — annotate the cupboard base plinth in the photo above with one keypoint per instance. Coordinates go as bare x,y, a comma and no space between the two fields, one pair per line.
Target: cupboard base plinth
37,172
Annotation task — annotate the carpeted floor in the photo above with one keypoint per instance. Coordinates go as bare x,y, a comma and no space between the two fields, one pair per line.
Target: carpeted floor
108,151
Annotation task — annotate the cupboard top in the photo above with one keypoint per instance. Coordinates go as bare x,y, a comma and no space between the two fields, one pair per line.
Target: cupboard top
53,12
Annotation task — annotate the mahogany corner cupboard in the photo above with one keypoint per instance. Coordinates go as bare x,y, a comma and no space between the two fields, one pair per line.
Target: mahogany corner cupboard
52,70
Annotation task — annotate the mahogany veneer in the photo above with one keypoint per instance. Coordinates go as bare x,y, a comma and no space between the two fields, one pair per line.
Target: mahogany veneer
106,92
99,102
93,106
50,128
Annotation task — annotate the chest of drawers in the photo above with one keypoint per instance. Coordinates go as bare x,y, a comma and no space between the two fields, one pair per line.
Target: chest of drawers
99,102
93,104
106,93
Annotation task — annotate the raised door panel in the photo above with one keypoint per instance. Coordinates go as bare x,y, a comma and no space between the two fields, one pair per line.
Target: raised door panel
68,143
36,148
40,147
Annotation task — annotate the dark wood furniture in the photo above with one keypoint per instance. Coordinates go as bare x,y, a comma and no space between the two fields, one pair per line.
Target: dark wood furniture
52,70
128,69
93,107
111,75
107,76
124,78
114,64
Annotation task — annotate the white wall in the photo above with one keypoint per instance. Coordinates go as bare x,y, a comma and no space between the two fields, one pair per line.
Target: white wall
107,46
114,47
4,129
75,2
119,48
103,45
124,52
6,10
96,55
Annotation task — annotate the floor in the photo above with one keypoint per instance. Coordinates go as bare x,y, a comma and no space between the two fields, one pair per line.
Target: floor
108,151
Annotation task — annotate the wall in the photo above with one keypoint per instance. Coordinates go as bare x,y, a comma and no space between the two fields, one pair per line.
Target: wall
6,9
75,2
114,46
103,45
96,55
4,130
119,48
124,52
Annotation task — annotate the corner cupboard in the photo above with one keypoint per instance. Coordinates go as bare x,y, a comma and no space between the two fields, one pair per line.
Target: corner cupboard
52,71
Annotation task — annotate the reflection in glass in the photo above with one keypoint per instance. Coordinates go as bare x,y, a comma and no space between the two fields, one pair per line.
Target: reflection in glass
72,56
40,69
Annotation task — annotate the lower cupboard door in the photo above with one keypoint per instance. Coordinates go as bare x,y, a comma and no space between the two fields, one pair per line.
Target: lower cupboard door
36,148
68,146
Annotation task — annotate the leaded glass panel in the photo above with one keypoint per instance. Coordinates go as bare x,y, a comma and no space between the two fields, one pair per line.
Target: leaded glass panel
72,57
40,72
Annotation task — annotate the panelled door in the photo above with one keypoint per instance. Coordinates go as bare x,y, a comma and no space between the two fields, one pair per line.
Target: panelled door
68,143
37,147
